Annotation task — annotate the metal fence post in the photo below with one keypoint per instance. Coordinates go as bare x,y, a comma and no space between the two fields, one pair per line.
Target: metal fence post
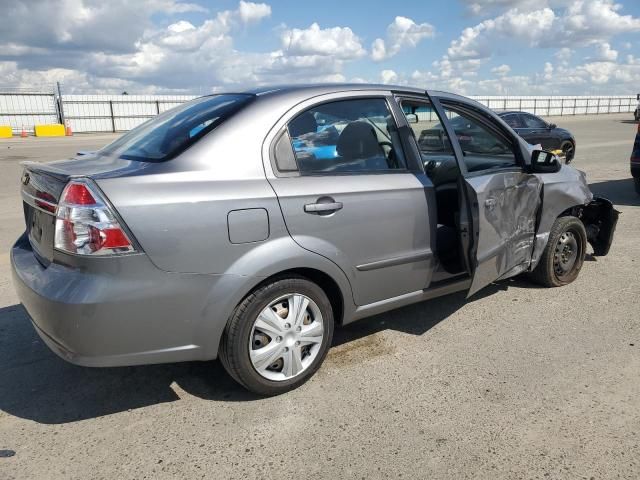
157,107
113,120
60,105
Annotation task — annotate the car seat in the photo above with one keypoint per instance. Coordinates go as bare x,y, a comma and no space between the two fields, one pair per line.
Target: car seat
359,149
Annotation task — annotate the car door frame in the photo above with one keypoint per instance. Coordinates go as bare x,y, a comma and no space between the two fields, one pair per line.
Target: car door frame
423,256
482,264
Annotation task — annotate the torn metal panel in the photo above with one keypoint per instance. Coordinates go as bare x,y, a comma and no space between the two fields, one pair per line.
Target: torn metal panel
567,192
504,218
600,220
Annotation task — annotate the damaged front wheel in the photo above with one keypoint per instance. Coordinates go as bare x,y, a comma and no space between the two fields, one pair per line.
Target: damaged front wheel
564,254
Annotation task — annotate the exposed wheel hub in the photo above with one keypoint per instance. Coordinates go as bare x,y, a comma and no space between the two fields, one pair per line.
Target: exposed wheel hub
566,254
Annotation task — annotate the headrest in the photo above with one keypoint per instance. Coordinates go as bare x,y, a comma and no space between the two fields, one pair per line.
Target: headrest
358,140
302,124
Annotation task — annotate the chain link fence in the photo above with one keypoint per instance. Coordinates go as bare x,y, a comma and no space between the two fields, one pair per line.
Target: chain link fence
22,109
115,113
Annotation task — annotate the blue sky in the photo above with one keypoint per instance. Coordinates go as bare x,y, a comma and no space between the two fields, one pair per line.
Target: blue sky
196,46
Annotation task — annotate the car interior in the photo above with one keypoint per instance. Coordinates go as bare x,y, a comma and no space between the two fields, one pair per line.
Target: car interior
483,150
345,140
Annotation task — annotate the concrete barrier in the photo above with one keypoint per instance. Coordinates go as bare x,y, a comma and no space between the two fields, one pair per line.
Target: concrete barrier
55,130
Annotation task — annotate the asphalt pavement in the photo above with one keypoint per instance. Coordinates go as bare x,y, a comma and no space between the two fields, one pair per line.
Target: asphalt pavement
517,382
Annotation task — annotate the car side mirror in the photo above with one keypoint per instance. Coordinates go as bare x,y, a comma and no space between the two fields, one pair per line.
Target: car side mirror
412,118
544,162
552,126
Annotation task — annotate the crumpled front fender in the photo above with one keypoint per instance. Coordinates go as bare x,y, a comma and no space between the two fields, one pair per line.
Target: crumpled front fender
561,191
600,219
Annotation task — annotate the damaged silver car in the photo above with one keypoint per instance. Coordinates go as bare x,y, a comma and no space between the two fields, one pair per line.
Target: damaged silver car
247,226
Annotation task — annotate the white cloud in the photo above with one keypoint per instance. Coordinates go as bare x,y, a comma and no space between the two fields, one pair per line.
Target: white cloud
85,25
158,49
482,7
480,41
501,71
402,33
181,26
605,53
185,55
564,54
339,42
253,12
388,76
378,50
173,6
586,20
581,22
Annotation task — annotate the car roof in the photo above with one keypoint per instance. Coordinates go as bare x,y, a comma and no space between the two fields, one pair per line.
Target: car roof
298,92
322,88
331,87
505,112
301,91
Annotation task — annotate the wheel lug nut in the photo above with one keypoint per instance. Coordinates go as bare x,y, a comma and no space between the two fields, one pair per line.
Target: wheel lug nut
287,325
297,344
298,329
278,339
286,349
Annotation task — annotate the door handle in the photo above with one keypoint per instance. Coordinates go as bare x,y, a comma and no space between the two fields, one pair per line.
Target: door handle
322,207
490,203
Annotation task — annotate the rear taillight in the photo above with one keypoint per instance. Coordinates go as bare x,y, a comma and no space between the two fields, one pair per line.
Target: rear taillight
86,225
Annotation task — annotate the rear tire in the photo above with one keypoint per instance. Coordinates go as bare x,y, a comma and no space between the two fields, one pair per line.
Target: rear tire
563,256
636,184
267,347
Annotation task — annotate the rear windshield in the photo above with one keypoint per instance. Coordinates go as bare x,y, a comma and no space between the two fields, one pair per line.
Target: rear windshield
165,136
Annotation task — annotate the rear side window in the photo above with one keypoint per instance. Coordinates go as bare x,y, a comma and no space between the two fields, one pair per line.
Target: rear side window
165,136
513,120
533,122
358,135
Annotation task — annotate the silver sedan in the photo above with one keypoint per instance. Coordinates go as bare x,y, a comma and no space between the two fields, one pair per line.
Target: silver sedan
246,226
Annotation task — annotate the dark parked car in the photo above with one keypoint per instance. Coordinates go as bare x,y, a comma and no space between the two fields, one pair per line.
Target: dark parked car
635,162
536,131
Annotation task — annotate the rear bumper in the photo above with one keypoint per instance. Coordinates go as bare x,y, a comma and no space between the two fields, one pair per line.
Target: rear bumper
120,311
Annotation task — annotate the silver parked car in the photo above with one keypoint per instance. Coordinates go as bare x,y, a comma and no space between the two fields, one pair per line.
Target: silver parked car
246,226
